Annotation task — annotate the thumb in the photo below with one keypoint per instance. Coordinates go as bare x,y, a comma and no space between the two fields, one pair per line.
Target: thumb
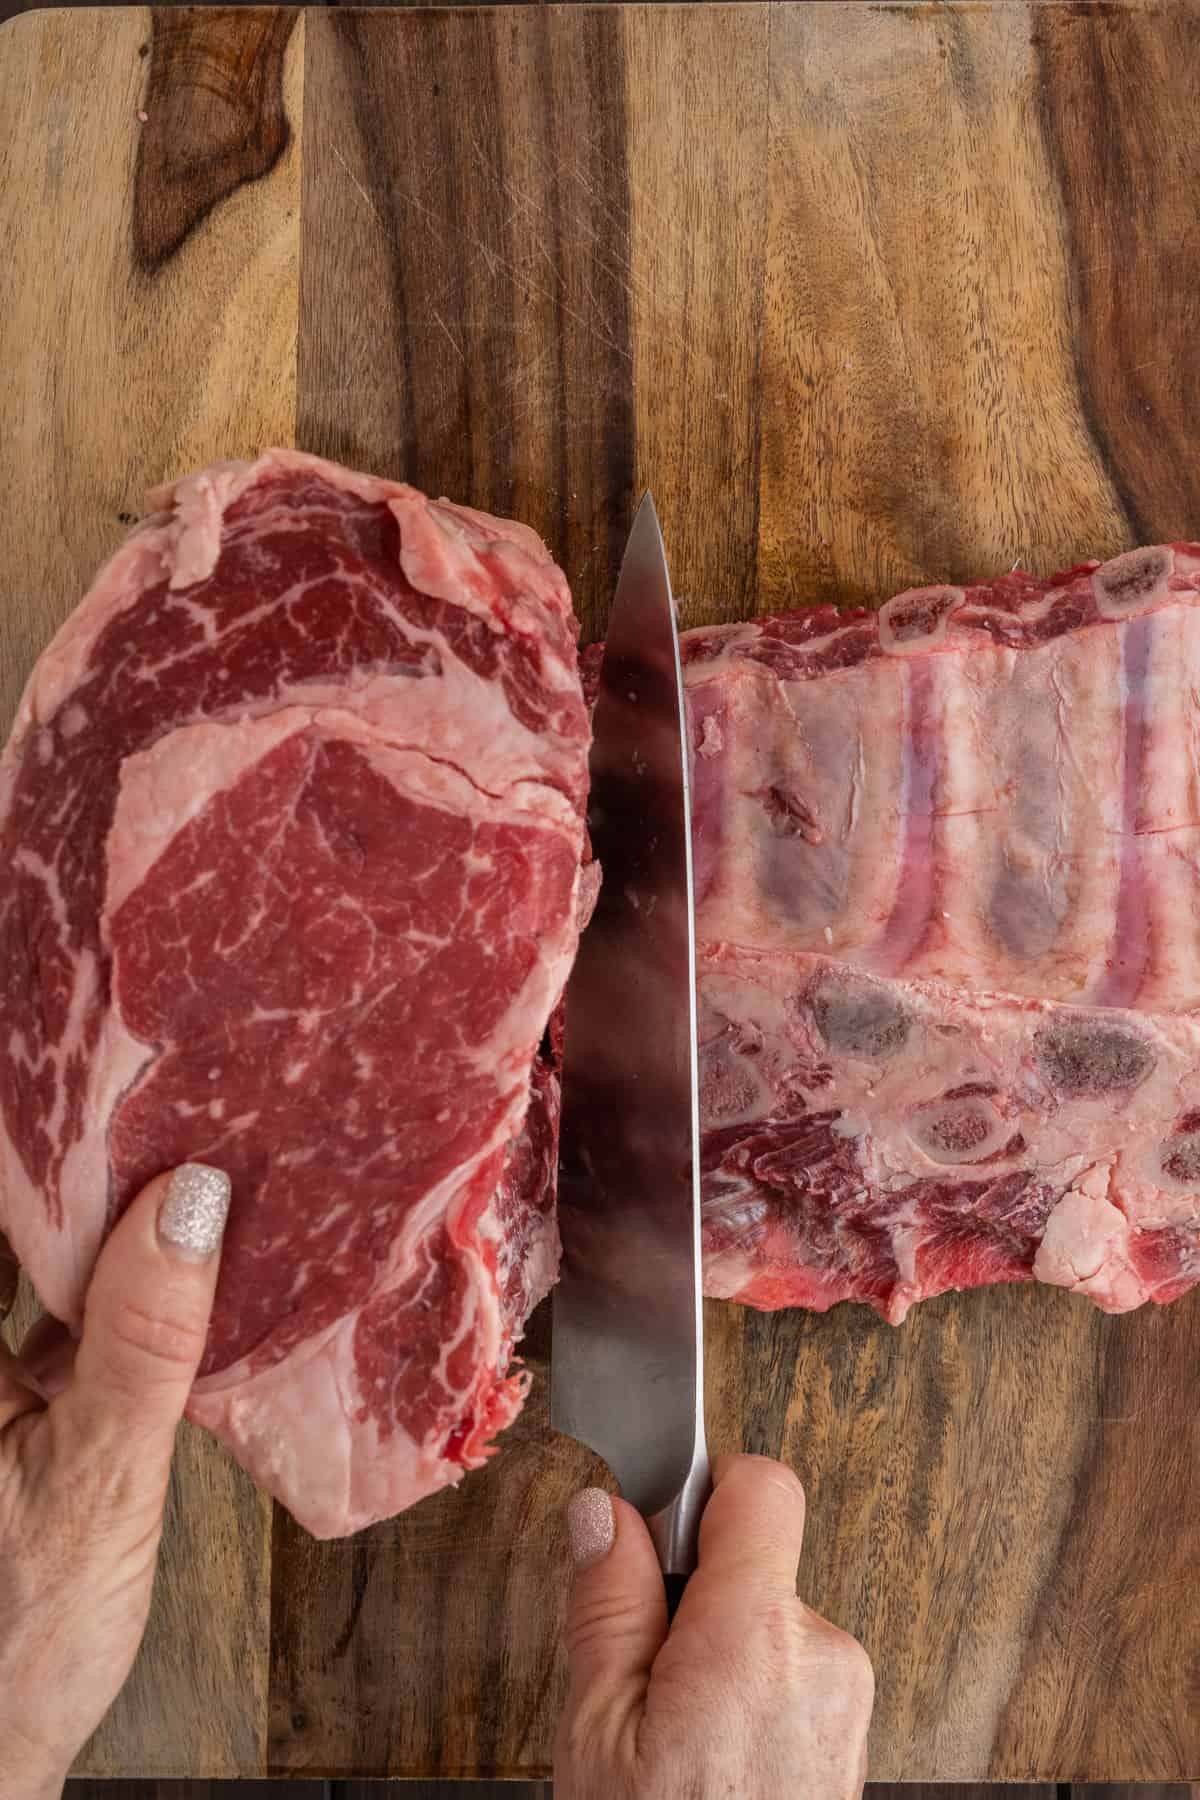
146,1313
617,1612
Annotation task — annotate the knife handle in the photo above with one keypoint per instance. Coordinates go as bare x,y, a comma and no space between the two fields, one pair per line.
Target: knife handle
676,1529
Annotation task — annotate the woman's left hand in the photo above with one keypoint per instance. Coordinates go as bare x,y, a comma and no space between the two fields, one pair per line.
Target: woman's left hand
83,1474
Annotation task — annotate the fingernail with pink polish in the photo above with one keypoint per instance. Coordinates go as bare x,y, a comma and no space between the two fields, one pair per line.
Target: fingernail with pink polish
590,1526
191,1217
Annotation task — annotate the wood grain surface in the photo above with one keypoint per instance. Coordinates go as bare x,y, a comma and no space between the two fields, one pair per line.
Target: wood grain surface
118,369
303,1789
535,1790
872,295
312,1789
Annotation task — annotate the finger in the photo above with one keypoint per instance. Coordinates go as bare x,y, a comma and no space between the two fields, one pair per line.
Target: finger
617,1613
16,1394
146,1317
47,1355
752,1529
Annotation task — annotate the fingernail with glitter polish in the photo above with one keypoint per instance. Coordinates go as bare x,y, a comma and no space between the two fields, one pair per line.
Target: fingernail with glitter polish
191,1218
590,1526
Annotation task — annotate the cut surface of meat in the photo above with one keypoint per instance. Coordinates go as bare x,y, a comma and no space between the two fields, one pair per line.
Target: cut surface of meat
292,821
948,912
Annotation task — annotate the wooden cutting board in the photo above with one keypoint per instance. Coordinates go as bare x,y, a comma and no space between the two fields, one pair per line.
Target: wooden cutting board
873,295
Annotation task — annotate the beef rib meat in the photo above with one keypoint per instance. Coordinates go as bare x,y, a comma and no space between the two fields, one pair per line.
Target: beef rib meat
291,824
293,871
948,907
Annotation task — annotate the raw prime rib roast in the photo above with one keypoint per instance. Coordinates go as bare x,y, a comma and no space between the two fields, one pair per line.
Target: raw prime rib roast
292,819
292,879
948,872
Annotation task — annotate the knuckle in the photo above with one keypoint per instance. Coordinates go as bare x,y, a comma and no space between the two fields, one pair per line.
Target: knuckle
862,1676
780,1632
808,1644
607,1619
855,1674
175,1344
769,1652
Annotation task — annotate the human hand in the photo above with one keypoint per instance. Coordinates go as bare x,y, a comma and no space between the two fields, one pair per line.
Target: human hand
750,1694
8,1278
86,1435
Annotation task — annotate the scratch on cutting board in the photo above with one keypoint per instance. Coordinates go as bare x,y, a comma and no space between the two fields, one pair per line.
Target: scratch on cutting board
495,260
534,212
449,336
353,178
638,201
526,281
618,265
525,374
532,403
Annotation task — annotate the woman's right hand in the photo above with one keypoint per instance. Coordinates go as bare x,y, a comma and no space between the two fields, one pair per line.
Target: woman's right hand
749,1693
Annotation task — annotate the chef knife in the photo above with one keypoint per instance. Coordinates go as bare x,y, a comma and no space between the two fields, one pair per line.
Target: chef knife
627,1367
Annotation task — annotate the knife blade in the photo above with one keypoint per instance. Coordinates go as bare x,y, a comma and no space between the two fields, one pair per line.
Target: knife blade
627,1365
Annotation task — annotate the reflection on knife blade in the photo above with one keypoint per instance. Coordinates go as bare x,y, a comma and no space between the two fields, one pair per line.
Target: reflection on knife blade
627,1363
